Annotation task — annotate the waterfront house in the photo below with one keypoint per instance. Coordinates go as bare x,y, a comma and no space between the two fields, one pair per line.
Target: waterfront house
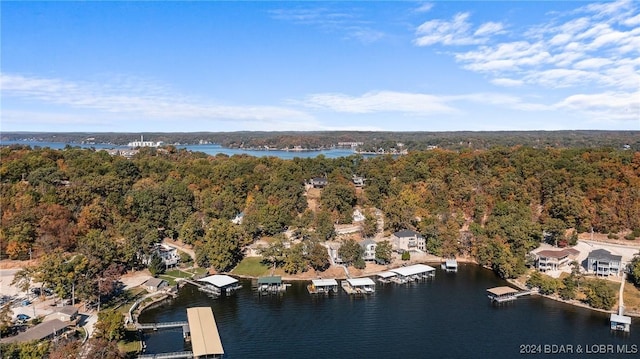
602,263
319,182
408,240
369,247
219,283
323,286
155,284
551,260
271,284
168,254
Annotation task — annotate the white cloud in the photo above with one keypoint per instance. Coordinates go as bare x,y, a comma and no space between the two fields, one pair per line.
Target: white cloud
382,101
454,32
605,107
590,46
426,7
489,28
147,101
506,82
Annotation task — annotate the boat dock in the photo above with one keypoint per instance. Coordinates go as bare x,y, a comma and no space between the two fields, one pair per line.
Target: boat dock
200,328
359,286
217,284
505,294
323,286
450,265
621,322
271,285
412,273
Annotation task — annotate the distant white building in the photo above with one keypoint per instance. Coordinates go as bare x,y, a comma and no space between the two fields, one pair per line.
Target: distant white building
143,143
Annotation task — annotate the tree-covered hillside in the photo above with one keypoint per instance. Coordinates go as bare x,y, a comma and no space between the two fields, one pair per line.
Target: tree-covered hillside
493,204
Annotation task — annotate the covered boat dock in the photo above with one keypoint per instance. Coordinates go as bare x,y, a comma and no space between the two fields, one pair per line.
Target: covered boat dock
505,294
386,277
414,272
205,339
219,283
271,285
323,286
620,322
359,286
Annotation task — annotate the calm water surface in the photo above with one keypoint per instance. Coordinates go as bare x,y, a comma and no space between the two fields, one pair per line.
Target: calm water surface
447,317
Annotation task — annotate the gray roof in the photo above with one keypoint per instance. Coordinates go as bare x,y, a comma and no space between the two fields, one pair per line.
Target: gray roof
604,255
68,310
407,233
154,282
366,242
39,332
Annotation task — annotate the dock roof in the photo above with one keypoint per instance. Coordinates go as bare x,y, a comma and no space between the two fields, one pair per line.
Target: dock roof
387,274
498,291
623,319
413,270
276,279
324,282
205,339
357,282
219,280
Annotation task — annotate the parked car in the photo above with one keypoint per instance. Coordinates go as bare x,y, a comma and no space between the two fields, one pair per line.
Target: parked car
26,302
22,318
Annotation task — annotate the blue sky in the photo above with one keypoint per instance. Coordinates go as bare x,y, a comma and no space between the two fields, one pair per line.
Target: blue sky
274,66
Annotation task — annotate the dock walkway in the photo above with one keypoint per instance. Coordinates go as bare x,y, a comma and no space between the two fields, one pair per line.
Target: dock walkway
156,326
174,355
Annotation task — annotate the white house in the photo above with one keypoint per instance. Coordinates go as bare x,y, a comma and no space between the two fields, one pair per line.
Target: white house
547,259
408,240
168,254
369,246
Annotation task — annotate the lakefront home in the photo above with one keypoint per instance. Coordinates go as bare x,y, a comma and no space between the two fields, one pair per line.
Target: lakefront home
552,260
408,240
603,263
319,182
369,247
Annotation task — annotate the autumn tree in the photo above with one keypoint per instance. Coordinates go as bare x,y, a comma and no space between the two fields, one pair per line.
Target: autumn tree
383,251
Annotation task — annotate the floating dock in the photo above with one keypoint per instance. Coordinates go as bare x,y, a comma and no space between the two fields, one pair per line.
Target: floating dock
412,273
620,322
386,277
323,286
359,286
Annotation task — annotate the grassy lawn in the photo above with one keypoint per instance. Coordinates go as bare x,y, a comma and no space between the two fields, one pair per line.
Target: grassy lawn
127,298
251,266
197,271
171,280
177,274
631,298
130,343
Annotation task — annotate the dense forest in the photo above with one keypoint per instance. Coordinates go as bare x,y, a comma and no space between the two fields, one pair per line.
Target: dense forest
413,141
89,216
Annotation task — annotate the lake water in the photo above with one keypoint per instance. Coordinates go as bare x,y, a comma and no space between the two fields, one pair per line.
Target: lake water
447,317
208,149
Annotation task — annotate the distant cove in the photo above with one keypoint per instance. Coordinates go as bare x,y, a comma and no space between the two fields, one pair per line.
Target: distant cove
208,149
